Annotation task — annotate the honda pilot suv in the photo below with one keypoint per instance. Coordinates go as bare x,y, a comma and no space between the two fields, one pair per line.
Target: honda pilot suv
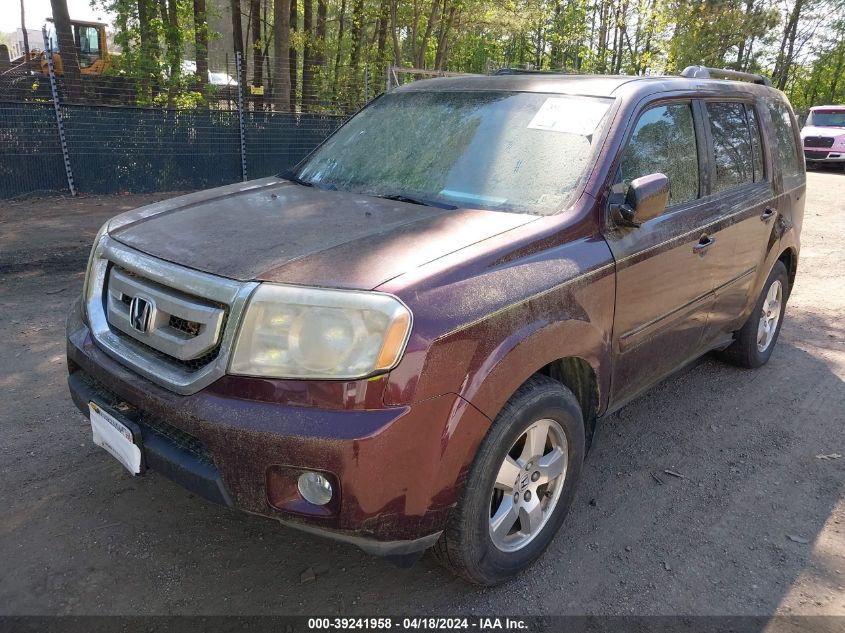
407,341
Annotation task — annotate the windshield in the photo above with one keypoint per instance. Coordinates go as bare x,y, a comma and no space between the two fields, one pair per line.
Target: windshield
520,152
831,118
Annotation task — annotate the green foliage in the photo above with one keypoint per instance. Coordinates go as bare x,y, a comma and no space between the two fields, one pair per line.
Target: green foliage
798,41
183,100
711,32
152,50
823,82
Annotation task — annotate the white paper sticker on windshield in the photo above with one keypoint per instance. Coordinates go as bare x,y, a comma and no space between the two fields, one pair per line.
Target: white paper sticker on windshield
573,116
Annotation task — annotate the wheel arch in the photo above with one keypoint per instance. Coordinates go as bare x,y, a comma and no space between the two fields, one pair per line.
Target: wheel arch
577,375
573,352
789,257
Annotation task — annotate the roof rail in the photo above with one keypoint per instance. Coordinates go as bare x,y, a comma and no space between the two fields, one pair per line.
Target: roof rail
527,71
705,72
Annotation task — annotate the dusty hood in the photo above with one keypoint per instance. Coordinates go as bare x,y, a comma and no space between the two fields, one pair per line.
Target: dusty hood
274,230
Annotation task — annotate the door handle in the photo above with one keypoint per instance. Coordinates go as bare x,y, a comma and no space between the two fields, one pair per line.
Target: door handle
703,244
768,214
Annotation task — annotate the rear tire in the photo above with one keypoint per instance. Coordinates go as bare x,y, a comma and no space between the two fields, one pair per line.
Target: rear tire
754,343
524,475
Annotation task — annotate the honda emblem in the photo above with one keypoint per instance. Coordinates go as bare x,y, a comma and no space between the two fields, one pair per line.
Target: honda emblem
141,313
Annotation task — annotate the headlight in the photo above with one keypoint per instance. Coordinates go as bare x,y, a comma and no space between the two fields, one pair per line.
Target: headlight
297,332
91,271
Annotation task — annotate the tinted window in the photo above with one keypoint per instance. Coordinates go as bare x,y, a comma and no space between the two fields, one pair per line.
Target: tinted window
785,149
664,141
755,143
732,155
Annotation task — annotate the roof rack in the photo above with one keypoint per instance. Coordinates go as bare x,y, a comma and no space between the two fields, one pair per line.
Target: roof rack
527,71
705,72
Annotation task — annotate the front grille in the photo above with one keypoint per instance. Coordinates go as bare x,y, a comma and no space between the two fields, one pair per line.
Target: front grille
818,141
171,324
816,155
182,330
191,328
189,366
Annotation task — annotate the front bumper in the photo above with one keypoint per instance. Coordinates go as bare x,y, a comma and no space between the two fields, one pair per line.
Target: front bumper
821,155
398,470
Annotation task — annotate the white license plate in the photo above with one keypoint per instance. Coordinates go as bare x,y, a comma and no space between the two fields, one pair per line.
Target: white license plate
115,437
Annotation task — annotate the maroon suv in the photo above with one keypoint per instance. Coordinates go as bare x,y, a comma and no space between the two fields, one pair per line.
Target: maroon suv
407,341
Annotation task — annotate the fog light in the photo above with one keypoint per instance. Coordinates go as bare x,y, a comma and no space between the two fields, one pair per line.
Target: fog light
315,488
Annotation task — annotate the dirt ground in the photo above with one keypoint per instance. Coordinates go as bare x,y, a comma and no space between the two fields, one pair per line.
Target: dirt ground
755,526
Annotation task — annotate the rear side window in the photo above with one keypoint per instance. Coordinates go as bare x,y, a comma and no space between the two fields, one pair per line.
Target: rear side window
733,158
786,151
756,148
664,142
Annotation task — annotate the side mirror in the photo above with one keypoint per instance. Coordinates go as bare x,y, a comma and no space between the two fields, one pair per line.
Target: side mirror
647,198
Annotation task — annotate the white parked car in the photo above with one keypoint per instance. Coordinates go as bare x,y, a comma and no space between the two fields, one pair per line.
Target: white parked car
189,67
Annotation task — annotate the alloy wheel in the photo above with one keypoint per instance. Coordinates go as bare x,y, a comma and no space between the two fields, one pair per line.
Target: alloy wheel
769,316
528,485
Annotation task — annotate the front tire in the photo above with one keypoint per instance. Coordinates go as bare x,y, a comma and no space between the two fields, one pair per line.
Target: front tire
756,340
520,486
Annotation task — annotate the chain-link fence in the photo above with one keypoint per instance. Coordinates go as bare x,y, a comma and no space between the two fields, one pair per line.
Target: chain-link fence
109,133
103,129
30,152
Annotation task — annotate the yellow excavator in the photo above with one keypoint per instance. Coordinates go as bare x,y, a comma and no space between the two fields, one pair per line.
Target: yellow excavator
91,48
16,75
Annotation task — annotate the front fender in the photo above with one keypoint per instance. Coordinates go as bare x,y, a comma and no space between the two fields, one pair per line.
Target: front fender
487,361
527,352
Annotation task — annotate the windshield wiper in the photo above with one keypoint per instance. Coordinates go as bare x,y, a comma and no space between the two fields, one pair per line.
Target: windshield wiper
299,181
421,201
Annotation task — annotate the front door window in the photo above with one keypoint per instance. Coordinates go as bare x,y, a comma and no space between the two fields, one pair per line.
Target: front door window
664,142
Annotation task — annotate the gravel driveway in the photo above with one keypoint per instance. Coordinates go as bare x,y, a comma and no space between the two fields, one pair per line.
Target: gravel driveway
754,524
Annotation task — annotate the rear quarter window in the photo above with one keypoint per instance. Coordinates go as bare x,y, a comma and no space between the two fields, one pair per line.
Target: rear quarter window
785,149
755,143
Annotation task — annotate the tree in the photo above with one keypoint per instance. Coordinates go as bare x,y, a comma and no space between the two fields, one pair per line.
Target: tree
356,33
443,36
381,30
257,44
319,44
821,80
322,15
148,62
293,55
281,55
67,48
201,44
238,34
787,46
25,34
339,48
173,36
308,52
795,41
